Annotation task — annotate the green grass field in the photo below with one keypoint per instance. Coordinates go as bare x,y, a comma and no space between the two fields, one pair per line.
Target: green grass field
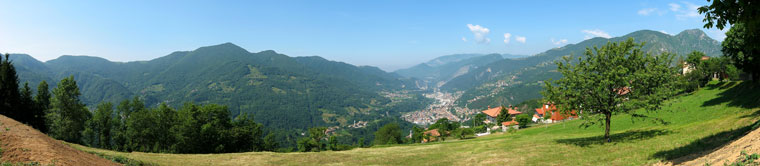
697,123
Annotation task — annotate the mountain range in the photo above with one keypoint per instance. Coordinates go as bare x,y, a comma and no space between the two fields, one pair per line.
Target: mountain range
282,92
300,92
511,81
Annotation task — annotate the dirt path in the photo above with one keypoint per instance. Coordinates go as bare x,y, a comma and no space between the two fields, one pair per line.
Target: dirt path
727,154
750,143
21,143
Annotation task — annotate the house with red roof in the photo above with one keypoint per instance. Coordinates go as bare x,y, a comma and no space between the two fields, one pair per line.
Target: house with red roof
494,112
555,114
432,135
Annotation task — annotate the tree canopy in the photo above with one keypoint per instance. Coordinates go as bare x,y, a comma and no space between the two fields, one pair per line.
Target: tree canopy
612,79
388,134
741,40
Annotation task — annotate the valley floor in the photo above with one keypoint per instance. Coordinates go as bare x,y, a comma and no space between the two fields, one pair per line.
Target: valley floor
698,125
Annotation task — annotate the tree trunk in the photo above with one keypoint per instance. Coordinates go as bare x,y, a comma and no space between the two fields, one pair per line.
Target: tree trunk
607,116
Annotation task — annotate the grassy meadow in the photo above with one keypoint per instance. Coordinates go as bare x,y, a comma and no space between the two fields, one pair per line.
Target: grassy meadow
696,124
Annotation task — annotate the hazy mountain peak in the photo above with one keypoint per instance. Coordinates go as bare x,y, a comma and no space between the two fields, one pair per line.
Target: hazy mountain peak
693,33
225,47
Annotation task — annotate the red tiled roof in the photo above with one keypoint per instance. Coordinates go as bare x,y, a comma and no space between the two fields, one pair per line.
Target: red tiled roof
556,115
433,132
509,123
623,90
493,112
542,111
536,116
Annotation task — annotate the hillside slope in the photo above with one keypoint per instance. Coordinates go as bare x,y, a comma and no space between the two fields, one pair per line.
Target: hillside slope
697,124
511,81
21,143
276,88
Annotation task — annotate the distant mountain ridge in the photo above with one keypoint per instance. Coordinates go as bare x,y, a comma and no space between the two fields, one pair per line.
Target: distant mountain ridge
279,90
438,71
511,81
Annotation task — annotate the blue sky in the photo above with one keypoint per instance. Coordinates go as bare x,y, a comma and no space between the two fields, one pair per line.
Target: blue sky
387,34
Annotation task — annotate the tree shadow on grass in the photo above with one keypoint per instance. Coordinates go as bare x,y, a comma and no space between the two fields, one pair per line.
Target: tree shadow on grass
632,135
744,95
704,146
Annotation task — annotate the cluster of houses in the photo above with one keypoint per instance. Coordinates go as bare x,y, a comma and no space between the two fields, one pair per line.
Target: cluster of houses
547,109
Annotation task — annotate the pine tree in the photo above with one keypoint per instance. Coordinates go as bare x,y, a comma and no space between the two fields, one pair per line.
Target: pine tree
26,105
42,105
503,116
9,94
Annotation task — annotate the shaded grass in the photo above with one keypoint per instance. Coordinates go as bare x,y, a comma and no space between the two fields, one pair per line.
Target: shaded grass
697,123
633,135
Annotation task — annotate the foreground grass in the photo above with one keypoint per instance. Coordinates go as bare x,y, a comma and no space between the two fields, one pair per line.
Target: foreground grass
697,123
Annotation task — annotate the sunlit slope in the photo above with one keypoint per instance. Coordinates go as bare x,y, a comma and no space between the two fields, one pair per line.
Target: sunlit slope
697,123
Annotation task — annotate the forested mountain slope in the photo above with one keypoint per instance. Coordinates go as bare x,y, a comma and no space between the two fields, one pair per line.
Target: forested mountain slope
281,91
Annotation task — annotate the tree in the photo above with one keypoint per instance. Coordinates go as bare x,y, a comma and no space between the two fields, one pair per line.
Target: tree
740,46
614,79
388,134
270,142
101,125
246,134
68,114
332,143
523,120
417,134
42,103
741,40
9,92
478,119
503,116
313,143
463,133
26,105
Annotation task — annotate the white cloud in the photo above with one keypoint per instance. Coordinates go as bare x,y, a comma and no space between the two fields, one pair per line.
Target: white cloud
663,31
647,11
559,42
674,7
719,35
506,37
479,33
595,33
464,39
520,39
688,10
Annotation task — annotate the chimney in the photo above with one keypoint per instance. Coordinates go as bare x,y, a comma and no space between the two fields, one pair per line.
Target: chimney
489,107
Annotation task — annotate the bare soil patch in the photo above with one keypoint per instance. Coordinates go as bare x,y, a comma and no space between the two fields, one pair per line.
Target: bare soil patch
21,143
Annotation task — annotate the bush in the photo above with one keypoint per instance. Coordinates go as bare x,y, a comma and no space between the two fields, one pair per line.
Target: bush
480,129
523,120
463,133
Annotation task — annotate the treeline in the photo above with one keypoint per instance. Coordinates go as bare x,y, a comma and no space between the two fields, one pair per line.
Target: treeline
131,126
19,103
190,129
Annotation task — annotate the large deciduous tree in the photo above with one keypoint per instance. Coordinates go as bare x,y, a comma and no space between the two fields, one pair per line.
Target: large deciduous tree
741,41
68,115
388,134
616,78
